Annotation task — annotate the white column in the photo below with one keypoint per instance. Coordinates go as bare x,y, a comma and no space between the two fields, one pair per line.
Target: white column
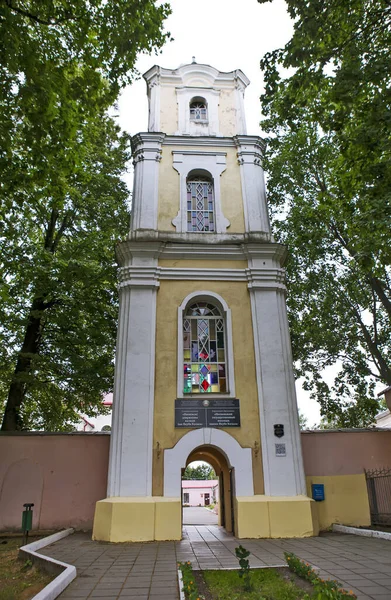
147,151
283,475
240,113
154,105
130,465
250,151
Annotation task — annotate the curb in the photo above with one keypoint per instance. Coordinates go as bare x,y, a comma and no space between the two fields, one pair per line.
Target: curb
65,573
180,583
383,535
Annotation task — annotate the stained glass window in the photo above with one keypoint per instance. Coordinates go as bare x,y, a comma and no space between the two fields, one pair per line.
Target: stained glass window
200,205
204,360
198,111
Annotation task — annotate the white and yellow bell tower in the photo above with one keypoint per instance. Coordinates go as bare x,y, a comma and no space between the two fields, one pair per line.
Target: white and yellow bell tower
203,363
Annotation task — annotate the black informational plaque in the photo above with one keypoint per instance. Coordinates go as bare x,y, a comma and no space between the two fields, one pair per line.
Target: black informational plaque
207,413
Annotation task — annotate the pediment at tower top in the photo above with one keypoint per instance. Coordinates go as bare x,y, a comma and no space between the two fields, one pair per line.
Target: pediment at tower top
196,75
218,97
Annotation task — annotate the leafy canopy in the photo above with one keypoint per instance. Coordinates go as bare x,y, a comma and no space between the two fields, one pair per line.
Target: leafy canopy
63,203
202,471
327,112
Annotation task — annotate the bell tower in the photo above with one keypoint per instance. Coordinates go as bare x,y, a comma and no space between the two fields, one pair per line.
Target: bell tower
203,362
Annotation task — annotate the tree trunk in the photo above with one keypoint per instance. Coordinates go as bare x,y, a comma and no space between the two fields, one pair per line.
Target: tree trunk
12,420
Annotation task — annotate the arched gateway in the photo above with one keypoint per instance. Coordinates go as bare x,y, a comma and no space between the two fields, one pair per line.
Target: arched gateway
203,362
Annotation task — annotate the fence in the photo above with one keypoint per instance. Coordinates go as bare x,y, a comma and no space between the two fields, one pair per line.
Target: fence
379,493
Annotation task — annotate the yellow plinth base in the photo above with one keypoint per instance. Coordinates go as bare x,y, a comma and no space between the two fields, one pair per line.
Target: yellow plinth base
276,517
143,519
346,500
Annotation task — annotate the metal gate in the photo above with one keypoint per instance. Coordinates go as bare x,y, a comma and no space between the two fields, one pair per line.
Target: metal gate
379,493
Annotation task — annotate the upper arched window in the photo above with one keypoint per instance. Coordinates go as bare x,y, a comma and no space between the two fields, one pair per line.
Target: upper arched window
198,110
200,203
204,349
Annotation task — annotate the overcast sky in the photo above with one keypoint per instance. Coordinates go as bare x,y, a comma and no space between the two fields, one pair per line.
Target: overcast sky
227,35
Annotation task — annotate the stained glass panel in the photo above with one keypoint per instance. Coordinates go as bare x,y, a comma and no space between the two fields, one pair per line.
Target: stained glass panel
204,355
200,206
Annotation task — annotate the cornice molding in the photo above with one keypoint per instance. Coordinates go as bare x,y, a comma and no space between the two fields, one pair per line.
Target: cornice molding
186,73
147,146
257,278
188,140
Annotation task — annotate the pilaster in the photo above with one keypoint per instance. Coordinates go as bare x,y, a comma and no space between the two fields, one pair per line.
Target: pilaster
147,151
250,153
282,458
130,467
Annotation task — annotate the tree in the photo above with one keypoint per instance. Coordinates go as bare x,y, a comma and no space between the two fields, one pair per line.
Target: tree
328,159
202,471
303,421
63,204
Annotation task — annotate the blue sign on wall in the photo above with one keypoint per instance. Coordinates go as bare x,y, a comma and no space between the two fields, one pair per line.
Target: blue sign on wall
318,491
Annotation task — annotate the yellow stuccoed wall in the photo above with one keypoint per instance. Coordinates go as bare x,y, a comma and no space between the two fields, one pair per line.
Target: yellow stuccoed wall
346,500
170,296
169,110
230,186
227,113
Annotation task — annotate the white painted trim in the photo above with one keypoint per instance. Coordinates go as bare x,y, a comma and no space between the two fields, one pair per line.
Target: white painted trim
186,74
200,141
148,245
250,151
215,163
283,476
383,535
59,583
147,153
188,127
205,295
237,457
149,277
180,585
131,445
261,401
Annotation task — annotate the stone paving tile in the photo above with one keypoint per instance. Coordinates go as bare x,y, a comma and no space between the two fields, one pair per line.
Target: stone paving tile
148,571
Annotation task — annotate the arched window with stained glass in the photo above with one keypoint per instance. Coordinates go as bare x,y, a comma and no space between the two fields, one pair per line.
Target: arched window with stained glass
200,203
204,350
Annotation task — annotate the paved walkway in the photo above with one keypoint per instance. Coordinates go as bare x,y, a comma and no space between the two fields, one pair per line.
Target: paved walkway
148,571
198,515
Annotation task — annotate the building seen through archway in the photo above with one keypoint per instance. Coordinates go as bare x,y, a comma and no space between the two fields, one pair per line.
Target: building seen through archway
203,362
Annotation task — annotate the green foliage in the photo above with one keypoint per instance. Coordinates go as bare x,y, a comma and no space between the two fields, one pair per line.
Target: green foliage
189,584
323,589
244,571
303,421
329,163
63,203
267,584
199,472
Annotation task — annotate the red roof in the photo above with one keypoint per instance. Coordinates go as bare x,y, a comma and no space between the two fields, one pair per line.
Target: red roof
108,400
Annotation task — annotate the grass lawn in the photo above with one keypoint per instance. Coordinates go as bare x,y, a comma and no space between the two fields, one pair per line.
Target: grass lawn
18,580
270,584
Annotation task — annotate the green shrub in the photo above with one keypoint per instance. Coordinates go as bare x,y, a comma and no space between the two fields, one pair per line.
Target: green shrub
323,589
189,584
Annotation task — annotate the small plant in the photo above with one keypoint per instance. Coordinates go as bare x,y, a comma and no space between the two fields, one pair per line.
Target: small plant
244,571
189,585
323,589
27,565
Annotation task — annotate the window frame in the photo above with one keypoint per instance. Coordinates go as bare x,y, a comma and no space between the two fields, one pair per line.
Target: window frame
205,178
198,100
219,302
213,164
